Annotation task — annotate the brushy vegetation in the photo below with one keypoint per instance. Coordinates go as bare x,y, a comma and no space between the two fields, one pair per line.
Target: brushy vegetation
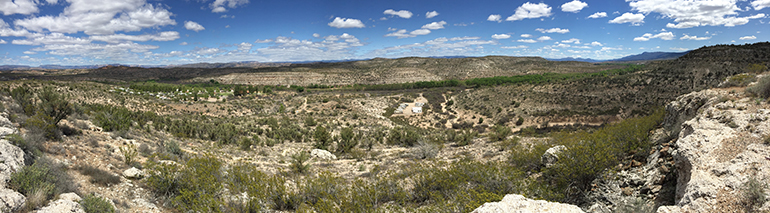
753,194
41,181
762,88
94,204
590,153
740,80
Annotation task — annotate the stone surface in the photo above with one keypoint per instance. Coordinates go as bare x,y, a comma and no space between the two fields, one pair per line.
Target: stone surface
11,201
718,149
67,203
11,160
322,154
521,204
133,173
551,156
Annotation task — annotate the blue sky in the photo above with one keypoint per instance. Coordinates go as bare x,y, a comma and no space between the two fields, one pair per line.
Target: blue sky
158,32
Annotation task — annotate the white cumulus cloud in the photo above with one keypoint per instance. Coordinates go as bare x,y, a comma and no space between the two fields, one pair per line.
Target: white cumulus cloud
346,23
760,4
530,10
598,15
218,6
431,14
571,41
434,25
24,7
688,37
662,35
194,26
573,6
400,13
596,43
689,13
527,40
420,32
495,17
501,36
100,17
635,19
552,30
526,36
515,47
544,38
748,37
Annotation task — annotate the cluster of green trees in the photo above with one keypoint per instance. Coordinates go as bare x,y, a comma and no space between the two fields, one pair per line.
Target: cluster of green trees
45,108
548,77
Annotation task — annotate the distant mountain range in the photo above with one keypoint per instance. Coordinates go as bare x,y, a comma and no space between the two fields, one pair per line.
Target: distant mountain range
645,56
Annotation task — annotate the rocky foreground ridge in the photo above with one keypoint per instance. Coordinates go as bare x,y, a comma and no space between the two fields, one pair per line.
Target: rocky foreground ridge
711,144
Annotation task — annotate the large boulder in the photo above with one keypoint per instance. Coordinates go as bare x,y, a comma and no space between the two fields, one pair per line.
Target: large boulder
67,203
133,173
718,149
11,201
551,156
11,160
521,204
322,154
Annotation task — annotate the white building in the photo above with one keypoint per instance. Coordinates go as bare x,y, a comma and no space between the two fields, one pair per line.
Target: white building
417,109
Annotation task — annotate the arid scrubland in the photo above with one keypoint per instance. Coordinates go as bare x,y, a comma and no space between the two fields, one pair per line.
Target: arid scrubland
200,144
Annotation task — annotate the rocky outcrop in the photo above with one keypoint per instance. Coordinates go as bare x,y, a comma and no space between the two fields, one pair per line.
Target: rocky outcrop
322,154
718,148
67,203
133,173
11,201
11,160
521,204
551,156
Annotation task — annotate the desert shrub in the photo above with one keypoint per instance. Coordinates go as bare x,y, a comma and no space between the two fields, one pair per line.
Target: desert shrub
323,187
632,205
194,187
299,163
450,183
129,154
425,150
404,136
753,194
527,158
94,204
99,176
54,105
520,121
347,140
24,96
740,80
261,187
465,137
589,154
322,137
500,133
173,148
762,88
767,140
245,143
41,181
31,148
145,150
756,68
45,124
310,121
